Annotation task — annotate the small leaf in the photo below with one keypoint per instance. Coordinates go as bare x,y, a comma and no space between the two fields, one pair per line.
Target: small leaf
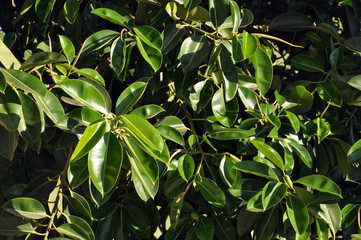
137,221
354,44
10,109
193,52
355,82
336,58
122,17
320,183
229,75
186,167
246,188
297,214
270,153
171,134
9,143
264,70
307,63
71,9
323,129
212,193
204,228
67,47
91,136
74,231
236,15
129,97
349,214
81,223
295,122
78,172
51,105
303,97
256,168
26,208
272,194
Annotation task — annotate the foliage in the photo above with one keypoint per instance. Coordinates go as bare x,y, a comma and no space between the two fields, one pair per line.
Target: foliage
182,119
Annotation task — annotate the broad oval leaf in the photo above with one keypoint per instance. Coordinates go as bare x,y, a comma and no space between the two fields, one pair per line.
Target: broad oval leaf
264,70
122,17
320,183
297,214
225,112
28,208
171,134
79,206
129,97
148,111
98,40
91,136
74,231
212,193
307,63
91,74
193,52
204,228
332,215
42,58
67,47
291,22
105,162
354,154
89,93
270,153
186,167
303,97
172,36
349,214
137,221
355,82
329,93
246,188
272,194
218,10
256,168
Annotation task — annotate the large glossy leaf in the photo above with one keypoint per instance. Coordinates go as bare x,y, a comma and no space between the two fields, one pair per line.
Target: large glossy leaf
204,228
354,154
212,193
81,223
142,129
148,111
26,208
264,70
243,46
120,17
43,8
256,168
218,10
137,221
89,93
266,224
290,22
320,183
355,82
24,81
323,129
229,75
171,134
51,106
270,153
118,55
149,43
67,47
71,10
331,213
236,15
91,136
201,95
129,97
300,151
10,109
12,226
42,58
98,40
91,74
349,214
272,194
225,112
186,167
78,172
297,214
172,36
329,93
74,231
105,162
193,52
307,63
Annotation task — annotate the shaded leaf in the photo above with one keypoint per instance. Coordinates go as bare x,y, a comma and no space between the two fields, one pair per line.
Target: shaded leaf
218,10
71,8
137,221
67,47
306,63
98,40
204,228
272,194
43,8
91,74
172,36
193,52
74,231
256,168
12,226
266,224
212,193
42,58
290,22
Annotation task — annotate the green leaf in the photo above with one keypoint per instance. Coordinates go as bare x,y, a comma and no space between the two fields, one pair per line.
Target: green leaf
229,75
224,229
122,17
272,194
149,43
212,193
225,112
10,110
297,214
98,40
200,96
118,56
24,81
204,228
248,97
255,203
147,111
137,221
295,122
190,4
26,208
349,214
42,58
9,143
320,183
129,97
79,207
12,226
300,151
256,168
186,167
78,172
226,171
323,129
91,136
71,9
81,223
243,46
245,221
264,70
89,93
247,17
193,52
105,162
332,215
355,82
291,22
7,58
354,154
218,10
231,134
142,129
43,8
246,188
74,231
236,15
303,97
91,74
270,153
336,58
172,36
329,93
171,134
67,47
51,105
266,224
307,63
353,44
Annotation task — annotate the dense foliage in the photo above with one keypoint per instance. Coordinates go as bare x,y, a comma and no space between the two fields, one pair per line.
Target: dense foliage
184,119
